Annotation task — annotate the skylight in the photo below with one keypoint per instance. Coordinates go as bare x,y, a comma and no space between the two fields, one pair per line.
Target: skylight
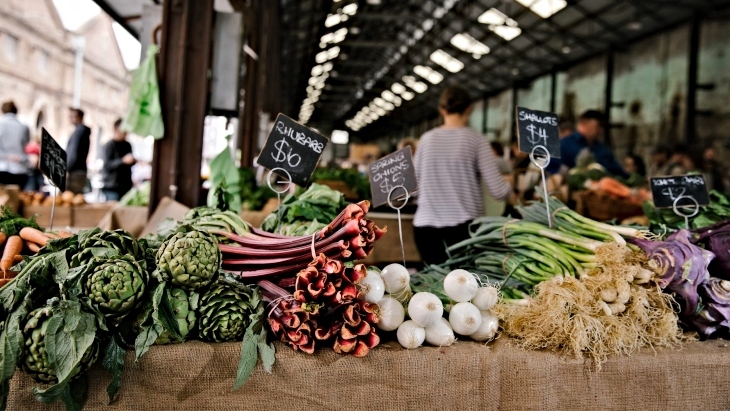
469,44
433,76
408,96
446,61
398,88
350,9
544,8
500,24
411,82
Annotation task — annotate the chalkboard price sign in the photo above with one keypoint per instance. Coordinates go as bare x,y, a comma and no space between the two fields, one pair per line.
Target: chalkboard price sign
294,148
393,170
666,190
538,128
53,160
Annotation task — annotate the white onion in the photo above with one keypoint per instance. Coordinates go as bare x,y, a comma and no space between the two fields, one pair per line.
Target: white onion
440,333
396,278
425,309
465,318
392,314
486,297
372,287
488,329
460,286
410,335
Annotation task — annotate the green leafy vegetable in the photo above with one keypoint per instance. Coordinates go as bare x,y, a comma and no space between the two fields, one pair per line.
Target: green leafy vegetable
114,364
254,345
304,212
224,173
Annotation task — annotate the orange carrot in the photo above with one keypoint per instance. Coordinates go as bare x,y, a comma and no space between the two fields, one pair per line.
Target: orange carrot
4,281
18,258
614,187
3,237
50,235
34,236
64,234
33,247
12,248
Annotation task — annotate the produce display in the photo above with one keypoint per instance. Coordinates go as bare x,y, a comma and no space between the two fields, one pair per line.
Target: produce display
665,219
305,212
65,199
138,196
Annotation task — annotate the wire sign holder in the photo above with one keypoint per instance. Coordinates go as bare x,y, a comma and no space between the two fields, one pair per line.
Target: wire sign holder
539,136
52,164
687,193
272,174
397,209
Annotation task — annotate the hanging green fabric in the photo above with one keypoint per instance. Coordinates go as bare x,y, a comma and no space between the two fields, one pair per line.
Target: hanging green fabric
144,116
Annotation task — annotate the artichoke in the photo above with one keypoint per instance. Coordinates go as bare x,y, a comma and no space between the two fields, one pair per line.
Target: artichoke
189,259
113,286
184,305
224,312
34,359
92,241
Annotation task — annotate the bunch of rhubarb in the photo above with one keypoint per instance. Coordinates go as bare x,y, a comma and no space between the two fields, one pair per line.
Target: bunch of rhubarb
323,309
259,254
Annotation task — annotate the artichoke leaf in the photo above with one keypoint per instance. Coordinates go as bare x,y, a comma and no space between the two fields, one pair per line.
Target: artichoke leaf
114,364
74,394
11,348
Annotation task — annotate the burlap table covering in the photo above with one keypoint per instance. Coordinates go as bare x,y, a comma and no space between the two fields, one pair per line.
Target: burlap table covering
466,376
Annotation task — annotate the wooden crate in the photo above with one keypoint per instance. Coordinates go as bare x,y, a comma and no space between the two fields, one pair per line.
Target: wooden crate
600,206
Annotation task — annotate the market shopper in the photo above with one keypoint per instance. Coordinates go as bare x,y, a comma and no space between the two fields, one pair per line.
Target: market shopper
633,164
586,135
451,162
118,162
77,151
14,136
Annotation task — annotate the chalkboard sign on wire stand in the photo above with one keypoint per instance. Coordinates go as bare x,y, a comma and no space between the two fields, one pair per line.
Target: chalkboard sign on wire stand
388,176
687,192
538,135
52,164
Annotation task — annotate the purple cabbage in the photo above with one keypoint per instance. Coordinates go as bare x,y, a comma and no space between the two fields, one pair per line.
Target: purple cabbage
714,315
681,267
716,238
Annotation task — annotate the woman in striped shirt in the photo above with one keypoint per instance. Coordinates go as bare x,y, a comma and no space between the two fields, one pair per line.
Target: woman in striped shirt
451,162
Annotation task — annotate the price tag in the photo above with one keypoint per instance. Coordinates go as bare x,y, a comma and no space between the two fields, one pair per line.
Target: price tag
538,128
391,171
294,148
53,160
685,190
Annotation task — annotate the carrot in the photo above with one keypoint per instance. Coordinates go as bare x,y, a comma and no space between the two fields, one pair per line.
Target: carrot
50,235
4,281
63,234
34,236
18,258
12,248
614,187
33,247
3,237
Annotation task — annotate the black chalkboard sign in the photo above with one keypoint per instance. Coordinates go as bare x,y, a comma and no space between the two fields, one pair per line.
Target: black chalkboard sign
294,148
538,128
393,170
666,190
53,160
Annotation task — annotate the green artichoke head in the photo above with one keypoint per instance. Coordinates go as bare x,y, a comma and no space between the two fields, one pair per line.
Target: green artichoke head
224,312
95,241
114,286
184,304
34,360
189,259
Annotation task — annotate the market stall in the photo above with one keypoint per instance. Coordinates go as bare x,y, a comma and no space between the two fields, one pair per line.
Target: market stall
467,375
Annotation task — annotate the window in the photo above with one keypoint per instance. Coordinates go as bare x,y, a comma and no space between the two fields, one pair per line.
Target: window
42,61
10,47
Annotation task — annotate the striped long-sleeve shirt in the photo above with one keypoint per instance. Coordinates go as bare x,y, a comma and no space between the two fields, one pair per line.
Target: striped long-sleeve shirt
450,165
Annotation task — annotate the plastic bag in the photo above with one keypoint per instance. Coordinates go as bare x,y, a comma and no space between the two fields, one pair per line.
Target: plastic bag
144,116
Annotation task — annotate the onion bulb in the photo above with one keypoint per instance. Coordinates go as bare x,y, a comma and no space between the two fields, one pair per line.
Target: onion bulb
440,333
465,318
486,298
425,309
460,286
396,278
372,287
488,328
411,335
392,314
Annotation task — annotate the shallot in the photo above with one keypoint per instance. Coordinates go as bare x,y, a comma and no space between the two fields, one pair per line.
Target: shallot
392,314
425,309
486,297
465,318
487,329
411,335
396,278
372,287
440,333
460,285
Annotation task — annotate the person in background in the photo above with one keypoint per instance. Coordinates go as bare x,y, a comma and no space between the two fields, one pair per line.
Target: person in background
634,164
504,167
14,136
450,162
588,131
408,142
118,162
681,161
713,170
35,178
77,151
660,164
565,127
